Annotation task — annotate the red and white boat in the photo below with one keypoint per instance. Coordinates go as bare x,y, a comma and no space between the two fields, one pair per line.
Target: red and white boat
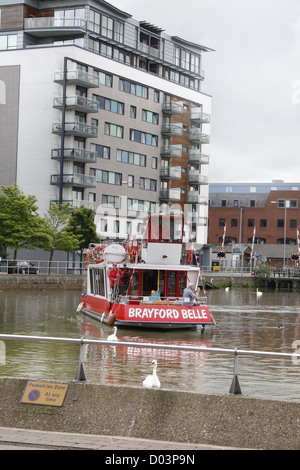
150,281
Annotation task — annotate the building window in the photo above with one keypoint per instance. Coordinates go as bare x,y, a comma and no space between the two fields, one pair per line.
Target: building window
113,130
133,112
143,138
108,177
132,158
8,41
109,105
111,201
223,203
293,224
252,203
101,151
263,223
103,225
234,223
250,222
154,163
133,88
148,184
280,223
116,226
149,116
130,183
222,222
156,96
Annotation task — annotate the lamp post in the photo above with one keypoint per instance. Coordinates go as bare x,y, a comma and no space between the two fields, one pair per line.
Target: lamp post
286,206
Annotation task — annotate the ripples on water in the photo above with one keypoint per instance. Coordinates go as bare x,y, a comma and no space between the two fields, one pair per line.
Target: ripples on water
269,323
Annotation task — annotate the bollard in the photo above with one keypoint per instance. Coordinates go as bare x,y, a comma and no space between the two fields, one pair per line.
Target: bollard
80,375
235,388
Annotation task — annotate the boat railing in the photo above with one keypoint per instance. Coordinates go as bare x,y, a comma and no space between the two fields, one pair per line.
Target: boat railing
146,300
235,388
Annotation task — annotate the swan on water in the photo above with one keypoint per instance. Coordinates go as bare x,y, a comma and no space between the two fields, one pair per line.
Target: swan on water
152,381
258,293
227,289
113,337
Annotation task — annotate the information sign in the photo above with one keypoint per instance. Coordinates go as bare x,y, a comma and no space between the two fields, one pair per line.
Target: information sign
44,393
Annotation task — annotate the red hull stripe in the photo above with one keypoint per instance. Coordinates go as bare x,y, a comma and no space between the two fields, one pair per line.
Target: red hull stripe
174,314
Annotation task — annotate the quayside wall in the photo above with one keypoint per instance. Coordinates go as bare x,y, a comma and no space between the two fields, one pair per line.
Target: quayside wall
233,421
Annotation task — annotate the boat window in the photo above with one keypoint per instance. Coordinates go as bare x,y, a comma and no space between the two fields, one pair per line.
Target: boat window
97,282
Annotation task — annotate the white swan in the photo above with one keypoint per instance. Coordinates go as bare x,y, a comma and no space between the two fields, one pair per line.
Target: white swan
152,381
113,337
227,289
258,293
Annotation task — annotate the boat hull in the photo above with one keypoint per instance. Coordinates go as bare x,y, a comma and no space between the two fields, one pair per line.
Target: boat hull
152,316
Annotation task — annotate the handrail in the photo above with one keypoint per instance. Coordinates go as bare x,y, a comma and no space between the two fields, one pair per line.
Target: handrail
80,376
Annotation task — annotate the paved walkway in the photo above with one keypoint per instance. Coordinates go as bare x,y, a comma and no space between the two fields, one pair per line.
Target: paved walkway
24,439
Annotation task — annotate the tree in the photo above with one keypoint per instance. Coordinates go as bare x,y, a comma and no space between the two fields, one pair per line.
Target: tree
20,224
82,225
59,237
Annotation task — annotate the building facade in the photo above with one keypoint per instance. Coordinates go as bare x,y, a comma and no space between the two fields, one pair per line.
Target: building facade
268,212
101,110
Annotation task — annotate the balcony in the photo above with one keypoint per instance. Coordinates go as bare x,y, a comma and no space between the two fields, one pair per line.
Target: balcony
74,180
44,27
196,135
172,129
76,204
79,103
150,50
196,178
173,173
77,155
172,151
173,107
170,194
198,116
79,129
196,157
195,198
78,77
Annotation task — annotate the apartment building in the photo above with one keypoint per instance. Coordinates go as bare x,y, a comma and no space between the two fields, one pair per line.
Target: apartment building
269,213
101,110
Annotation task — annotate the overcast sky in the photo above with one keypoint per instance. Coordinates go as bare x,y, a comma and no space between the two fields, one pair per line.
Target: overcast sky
253,77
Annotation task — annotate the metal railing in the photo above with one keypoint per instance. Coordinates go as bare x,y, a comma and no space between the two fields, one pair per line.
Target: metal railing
40,267
235,388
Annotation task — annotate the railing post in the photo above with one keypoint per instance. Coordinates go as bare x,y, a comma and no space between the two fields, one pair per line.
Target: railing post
80,375
235,388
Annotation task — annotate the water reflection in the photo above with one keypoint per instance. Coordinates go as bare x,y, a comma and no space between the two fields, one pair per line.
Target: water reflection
269,323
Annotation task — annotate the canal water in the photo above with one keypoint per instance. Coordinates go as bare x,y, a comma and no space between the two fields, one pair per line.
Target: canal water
243,320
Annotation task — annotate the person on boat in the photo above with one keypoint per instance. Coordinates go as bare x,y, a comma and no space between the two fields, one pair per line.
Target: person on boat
190,295
155,296
115,275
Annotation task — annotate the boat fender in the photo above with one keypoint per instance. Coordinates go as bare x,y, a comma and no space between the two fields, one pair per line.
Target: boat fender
79,308
111,319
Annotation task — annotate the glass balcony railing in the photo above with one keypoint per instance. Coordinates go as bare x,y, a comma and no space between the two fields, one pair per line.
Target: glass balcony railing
170,194
79,129
172,151
196,135
195,198
75,179
173,107
78,77
196,178
76,204
171,172
77,102
49,26
195,156
78,155
198,115
173,129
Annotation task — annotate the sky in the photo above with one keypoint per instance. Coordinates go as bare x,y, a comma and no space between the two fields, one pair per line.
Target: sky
253,76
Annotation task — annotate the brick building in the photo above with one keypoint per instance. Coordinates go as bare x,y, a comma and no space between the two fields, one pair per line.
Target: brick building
268,212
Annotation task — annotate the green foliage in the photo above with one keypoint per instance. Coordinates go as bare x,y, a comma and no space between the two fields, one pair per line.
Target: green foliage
20,224
82,225
59,237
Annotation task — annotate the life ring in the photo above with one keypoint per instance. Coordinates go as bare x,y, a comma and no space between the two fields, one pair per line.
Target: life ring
97,254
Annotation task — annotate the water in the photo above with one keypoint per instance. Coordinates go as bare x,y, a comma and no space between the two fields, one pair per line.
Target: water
268,323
